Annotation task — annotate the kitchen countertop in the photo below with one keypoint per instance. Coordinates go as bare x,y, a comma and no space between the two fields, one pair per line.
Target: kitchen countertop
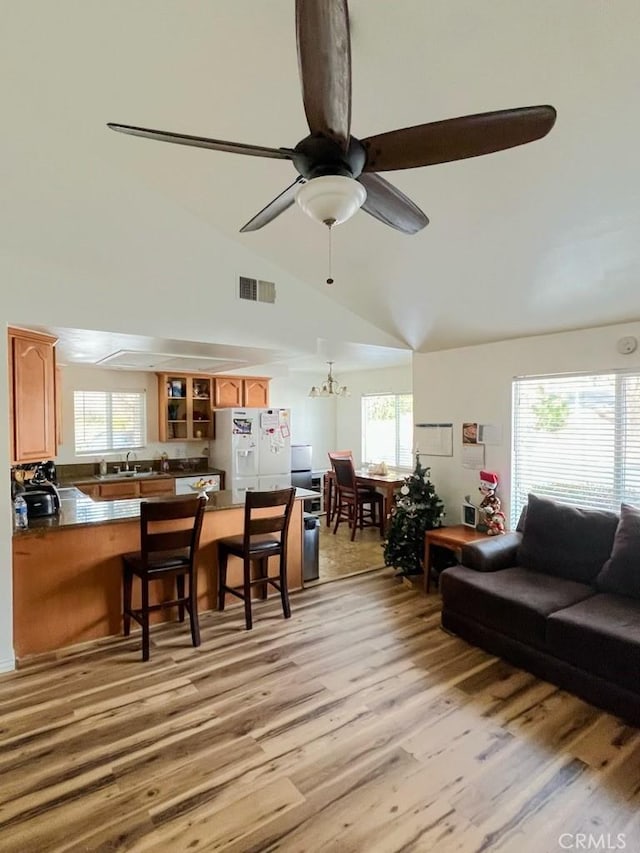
79,510
156,475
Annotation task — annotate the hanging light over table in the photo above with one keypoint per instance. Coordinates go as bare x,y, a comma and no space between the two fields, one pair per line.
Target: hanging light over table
330,387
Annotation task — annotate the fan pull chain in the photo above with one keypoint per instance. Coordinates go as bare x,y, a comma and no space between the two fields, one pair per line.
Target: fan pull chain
330,223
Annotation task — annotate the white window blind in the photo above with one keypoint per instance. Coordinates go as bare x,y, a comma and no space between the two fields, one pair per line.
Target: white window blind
109,420
576,439
387,429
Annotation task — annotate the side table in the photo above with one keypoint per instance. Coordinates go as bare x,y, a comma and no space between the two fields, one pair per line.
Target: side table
453,538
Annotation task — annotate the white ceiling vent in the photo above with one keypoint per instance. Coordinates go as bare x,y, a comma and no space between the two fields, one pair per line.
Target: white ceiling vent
255,290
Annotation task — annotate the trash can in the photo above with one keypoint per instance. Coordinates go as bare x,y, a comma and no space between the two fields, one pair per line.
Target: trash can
311,547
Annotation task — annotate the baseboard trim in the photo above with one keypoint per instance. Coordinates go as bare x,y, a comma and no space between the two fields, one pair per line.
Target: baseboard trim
7,665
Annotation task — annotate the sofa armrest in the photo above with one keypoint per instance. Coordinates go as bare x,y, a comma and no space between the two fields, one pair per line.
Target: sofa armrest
493,553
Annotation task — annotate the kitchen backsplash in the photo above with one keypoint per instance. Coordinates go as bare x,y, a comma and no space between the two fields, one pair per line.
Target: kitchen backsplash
192,464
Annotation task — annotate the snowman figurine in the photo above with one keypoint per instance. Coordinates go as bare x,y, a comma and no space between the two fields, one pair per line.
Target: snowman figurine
492,520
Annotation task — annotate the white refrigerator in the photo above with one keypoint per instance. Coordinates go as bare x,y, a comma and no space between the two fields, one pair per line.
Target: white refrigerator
253,448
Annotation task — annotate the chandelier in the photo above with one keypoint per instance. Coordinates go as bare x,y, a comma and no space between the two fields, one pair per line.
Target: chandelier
330,387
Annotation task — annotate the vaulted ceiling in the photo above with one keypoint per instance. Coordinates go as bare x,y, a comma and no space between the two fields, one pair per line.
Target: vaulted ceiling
539,238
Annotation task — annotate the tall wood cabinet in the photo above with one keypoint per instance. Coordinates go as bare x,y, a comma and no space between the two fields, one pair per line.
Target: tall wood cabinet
32,374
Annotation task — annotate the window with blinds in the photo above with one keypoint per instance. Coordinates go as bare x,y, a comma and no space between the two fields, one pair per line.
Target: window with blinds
387,429
109,420
576,439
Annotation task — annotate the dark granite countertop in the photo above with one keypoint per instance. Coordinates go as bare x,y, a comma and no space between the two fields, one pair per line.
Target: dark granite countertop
79,510
65,482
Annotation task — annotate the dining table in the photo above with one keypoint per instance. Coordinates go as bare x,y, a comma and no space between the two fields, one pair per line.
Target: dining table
386,483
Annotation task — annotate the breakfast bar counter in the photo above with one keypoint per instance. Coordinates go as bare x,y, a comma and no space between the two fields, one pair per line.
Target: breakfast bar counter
67,569
79,510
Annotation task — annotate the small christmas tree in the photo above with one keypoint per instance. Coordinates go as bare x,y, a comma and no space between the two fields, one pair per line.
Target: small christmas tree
417,508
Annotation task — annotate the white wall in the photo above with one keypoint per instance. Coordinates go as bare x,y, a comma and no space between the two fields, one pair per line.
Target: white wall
76,378
475,384
396,380
313,421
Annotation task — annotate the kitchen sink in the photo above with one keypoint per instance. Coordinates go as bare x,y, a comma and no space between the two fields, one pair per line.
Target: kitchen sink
130,475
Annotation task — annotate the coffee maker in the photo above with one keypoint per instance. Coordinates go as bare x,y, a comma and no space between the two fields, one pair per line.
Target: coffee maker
49,471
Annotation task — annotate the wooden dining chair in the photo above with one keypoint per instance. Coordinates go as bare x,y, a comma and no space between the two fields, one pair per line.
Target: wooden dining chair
331,502
360,506
264,536
169,538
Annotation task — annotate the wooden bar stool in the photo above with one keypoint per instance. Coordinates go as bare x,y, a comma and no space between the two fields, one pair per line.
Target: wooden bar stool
169,537
264,536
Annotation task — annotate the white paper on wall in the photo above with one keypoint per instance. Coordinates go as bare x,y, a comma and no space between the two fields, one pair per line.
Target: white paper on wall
473,456
436,439
490,434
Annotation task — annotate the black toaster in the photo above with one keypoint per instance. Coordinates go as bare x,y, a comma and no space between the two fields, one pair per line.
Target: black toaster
40,502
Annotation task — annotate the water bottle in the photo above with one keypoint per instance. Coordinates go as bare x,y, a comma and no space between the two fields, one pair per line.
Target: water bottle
20,513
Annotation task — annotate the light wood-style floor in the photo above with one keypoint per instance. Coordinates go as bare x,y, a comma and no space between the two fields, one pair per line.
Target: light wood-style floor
339,556
357,725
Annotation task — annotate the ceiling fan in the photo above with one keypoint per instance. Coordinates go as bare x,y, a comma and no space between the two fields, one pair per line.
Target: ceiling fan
337,173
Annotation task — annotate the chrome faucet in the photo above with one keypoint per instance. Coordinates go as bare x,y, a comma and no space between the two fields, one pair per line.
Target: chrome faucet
126,460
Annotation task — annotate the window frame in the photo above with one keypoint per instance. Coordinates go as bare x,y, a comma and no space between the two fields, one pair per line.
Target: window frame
397,450
109,395
625,414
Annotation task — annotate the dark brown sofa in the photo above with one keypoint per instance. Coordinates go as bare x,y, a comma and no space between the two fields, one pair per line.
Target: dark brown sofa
559,597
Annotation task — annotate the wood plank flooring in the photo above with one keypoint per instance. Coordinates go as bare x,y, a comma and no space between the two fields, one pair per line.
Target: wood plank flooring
340,557
357,725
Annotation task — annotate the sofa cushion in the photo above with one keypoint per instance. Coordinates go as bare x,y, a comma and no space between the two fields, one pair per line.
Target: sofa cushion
514,601
621,573
566,541
601,635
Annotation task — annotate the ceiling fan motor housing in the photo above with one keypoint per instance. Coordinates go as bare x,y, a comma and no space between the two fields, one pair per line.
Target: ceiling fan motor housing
318,155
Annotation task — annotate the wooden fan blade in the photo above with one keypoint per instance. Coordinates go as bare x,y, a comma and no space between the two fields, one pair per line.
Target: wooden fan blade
274,208
324,62
203,142
457,138
391,206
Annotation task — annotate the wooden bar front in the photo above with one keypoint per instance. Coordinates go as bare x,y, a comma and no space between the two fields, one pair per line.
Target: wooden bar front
67,583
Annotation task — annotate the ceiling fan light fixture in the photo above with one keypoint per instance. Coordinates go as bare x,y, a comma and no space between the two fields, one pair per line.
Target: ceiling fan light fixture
331,199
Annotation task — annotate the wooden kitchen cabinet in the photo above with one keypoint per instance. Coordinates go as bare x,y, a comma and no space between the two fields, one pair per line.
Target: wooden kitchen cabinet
58,390
32,421
93,491
119,490
155,487
241,391
256,391
129,488
228,392
185,407
186,402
